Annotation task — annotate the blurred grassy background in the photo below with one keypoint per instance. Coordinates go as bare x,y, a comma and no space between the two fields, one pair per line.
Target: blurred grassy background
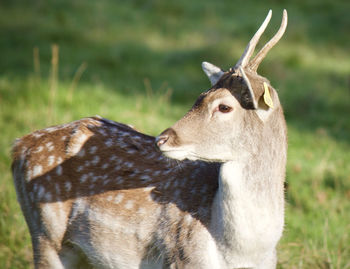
138,62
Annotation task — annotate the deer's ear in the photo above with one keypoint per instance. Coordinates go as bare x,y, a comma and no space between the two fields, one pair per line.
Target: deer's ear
213,72
265,103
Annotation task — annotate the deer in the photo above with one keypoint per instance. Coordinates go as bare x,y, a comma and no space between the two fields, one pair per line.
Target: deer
208,192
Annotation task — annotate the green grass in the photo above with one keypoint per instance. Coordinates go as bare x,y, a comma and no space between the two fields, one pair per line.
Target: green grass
139,63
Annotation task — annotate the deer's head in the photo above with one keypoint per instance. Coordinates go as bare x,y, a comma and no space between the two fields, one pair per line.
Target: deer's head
237,116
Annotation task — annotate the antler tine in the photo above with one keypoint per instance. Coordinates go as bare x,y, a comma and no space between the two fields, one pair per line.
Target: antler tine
243,61
254,64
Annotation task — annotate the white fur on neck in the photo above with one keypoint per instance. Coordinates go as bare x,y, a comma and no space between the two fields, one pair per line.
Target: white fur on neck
246,226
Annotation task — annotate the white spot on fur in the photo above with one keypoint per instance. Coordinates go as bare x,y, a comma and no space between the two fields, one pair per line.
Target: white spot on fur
48,197
83,178
120,180
39,149
95,160
35,187
68,186
41,192
118,198
37,170
102,132
93,149
121,143
59,160
37,135
131,151
105,166
129,165
80,168
51,160
129,204
145,178
109,142
59,170
156,173
50,146
51,129
29,175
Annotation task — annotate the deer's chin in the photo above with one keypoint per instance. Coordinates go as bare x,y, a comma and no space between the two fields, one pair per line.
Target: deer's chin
176,154
188,154
179,154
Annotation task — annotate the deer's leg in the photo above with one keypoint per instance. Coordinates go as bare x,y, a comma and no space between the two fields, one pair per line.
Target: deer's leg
73,258
45,254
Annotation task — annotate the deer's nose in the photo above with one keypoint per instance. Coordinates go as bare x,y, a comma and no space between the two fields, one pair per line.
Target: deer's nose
161,139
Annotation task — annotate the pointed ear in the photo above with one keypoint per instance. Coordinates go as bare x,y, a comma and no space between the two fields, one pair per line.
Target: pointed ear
213,72
265,103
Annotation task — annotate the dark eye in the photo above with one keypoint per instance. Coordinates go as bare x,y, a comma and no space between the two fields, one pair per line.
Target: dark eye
224,108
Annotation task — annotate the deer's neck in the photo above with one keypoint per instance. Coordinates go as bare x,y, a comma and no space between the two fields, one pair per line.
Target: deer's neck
247,213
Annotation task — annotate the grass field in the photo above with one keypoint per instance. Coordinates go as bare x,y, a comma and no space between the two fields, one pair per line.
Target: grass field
138,62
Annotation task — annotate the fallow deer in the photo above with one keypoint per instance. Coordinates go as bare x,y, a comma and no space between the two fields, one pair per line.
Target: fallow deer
99,194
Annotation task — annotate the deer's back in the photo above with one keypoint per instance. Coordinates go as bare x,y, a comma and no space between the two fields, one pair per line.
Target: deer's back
101,178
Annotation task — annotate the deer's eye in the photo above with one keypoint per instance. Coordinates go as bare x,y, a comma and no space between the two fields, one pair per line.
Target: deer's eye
224,108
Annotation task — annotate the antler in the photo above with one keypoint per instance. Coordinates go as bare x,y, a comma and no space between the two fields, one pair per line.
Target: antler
250,89
254,64
243,61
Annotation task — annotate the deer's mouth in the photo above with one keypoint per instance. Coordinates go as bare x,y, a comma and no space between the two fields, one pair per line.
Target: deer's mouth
177,153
